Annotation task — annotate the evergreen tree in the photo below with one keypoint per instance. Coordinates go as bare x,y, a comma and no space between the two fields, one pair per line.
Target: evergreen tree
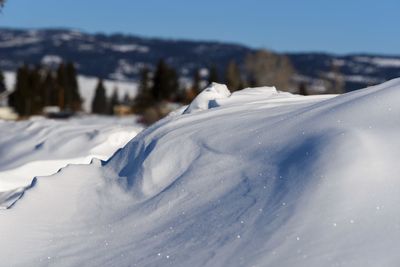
114,101
51,95
144,98
232,76
303,89
2,83
72,96
35,91
69,97
165,82
173,85
61,81
20,98
213,75
127,99
99,104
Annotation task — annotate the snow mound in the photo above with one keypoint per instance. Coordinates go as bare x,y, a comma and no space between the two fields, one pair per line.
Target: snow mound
207,98
266,179
40,147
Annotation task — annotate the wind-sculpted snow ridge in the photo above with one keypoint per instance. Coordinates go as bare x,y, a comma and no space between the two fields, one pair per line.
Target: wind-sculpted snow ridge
9,197
41,147
263,178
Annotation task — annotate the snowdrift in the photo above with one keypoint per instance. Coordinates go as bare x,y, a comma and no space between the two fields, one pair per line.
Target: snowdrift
263,178
41,147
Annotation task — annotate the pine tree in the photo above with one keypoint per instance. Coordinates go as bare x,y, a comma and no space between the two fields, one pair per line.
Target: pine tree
165,82
303,89
2,83
51,94
114,101
127,99
20,98
35,91
160,81
61,81
99,104
173,85
213,75
144,98
72,96
233,77
69,97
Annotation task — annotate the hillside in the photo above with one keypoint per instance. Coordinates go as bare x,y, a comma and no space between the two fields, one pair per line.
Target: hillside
120,57
254,178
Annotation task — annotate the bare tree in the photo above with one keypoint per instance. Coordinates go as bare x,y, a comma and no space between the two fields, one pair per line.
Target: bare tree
269,69
233,77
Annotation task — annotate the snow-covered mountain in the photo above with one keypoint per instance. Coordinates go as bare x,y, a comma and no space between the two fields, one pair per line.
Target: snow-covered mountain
109,56
254,178
358,70
120,57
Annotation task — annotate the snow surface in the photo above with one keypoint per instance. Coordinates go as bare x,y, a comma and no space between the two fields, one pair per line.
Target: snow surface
41,147
264,178
208,98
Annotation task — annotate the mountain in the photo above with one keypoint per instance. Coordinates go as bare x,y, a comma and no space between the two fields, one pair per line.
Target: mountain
114,56
358,70
120,57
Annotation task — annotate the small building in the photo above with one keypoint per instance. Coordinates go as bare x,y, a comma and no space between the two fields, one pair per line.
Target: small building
122,110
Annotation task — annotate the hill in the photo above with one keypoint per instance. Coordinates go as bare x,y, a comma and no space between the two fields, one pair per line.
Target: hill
120,57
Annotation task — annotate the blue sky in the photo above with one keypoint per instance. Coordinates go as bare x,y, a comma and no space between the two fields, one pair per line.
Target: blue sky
336,26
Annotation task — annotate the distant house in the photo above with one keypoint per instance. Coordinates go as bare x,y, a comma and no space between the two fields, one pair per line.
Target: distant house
122,110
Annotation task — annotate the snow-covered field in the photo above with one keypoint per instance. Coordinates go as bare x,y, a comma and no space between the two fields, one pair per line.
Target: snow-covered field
256,178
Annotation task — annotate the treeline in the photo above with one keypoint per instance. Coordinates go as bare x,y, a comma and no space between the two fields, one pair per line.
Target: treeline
160,89
38,87
103,105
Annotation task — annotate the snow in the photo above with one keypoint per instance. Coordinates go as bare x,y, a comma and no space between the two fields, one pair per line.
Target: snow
19,41
40,147
380,61
51,60
87,86
124,48
262,178
207,98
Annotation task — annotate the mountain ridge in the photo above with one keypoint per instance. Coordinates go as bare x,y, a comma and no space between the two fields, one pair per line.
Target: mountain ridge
120,56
